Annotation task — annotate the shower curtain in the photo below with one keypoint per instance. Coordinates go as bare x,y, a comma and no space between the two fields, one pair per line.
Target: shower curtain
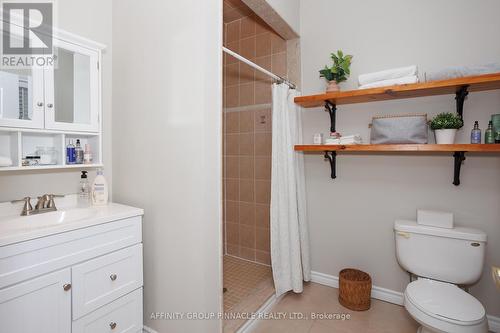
289,230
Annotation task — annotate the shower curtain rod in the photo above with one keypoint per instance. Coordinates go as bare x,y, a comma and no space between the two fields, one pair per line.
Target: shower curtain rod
257,67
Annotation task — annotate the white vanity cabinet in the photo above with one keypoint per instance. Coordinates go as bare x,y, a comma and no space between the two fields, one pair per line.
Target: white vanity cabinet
87,280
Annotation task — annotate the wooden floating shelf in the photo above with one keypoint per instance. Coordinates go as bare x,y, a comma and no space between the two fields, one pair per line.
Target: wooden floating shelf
434,88
470,148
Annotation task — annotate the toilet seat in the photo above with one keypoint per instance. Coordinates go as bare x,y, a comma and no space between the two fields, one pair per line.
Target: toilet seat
444,307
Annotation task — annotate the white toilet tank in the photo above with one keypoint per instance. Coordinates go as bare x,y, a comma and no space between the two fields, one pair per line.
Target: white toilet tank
451,255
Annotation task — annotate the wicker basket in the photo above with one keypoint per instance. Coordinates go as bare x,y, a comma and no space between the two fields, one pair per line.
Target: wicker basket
355,289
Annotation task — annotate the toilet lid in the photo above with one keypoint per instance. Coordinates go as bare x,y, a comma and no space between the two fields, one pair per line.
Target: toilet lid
445,301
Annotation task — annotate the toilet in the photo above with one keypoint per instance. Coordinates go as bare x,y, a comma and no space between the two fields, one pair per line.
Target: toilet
442,259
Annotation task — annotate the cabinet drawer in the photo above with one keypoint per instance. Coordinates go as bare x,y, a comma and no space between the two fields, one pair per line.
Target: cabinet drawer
123,315
102,280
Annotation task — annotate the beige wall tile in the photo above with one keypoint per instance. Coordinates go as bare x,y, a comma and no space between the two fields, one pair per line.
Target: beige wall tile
263,144
233,46
246,144
232,233
232,189
248,27
247,253
232,96
247,190
264,62
262,239
247,47
263,191
247,213
262,215
263,118
231,144
232,210
233,250
247,236
263,45
247,74
233,31
232,74
262,168
247,167
232,167
247,94
232,122
263,92
278,64
263,257
246,121
278,44
261,26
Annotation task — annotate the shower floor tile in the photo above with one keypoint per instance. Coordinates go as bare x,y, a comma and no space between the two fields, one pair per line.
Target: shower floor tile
248,286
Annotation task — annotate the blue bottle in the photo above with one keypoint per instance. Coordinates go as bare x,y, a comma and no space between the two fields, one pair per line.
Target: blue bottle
475,135
70,153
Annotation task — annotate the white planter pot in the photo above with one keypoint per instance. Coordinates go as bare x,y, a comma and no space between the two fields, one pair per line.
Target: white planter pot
445,136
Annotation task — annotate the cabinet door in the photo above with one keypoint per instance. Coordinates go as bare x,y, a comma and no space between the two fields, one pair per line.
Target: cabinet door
41,305
72,89
21,96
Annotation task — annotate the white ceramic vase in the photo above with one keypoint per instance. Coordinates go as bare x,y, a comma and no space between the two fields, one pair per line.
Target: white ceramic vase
445,136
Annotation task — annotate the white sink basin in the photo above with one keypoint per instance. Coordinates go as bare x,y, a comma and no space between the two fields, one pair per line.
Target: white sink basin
49,219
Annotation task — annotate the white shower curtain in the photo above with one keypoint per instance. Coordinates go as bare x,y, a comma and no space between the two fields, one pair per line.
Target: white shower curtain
289,230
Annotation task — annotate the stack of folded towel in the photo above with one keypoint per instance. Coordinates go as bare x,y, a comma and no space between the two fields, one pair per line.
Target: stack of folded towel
390,77
345,140
5,161
461,71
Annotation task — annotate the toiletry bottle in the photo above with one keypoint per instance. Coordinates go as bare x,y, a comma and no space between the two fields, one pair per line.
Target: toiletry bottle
100,190
70,153
497,137
78,152
489,134
87,154
84,190
475,135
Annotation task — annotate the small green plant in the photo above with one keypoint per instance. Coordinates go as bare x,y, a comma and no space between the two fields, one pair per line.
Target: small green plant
447,120
340,70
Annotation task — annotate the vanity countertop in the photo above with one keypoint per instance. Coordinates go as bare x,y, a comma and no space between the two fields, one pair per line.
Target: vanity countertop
15,228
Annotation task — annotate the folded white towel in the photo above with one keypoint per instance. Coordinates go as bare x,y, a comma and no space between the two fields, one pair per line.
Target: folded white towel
345,140
461,71
5,161
387,75
393,82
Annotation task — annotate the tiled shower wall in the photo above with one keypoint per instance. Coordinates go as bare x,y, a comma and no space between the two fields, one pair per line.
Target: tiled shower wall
247,136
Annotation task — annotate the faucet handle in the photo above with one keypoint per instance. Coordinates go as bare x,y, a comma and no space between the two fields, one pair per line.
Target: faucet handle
27,205
51,203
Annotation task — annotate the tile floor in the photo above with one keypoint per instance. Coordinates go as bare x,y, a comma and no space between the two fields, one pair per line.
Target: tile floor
248,284
381,318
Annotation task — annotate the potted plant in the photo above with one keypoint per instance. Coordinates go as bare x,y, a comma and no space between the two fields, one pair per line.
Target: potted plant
339,72
445,126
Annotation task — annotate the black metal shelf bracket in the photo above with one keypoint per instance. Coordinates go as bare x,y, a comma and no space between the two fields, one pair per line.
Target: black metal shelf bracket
460,97
331,156
332,111
459,159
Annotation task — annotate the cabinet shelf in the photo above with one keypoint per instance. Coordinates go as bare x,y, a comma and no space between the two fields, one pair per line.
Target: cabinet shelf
434,88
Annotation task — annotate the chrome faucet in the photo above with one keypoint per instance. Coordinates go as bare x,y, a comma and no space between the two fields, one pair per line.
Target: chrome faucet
45,204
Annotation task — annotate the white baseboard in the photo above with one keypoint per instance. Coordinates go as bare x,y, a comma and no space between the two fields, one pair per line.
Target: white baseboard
250,324
387,295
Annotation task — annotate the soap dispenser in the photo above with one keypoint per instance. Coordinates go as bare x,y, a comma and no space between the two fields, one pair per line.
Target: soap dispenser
84,189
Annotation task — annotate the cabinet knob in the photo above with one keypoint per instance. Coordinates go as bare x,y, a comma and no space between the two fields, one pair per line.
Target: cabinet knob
112,325
39,104
67,286
113,277
50,105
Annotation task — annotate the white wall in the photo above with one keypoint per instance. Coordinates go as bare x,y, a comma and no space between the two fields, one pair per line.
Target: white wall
289,10
167,150
91,19
351,218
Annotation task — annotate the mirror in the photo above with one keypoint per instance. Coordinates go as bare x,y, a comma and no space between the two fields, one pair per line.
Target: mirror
72,88
16,94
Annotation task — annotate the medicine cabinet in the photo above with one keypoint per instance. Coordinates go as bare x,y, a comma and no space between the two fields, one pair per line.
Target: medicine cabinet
44,108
